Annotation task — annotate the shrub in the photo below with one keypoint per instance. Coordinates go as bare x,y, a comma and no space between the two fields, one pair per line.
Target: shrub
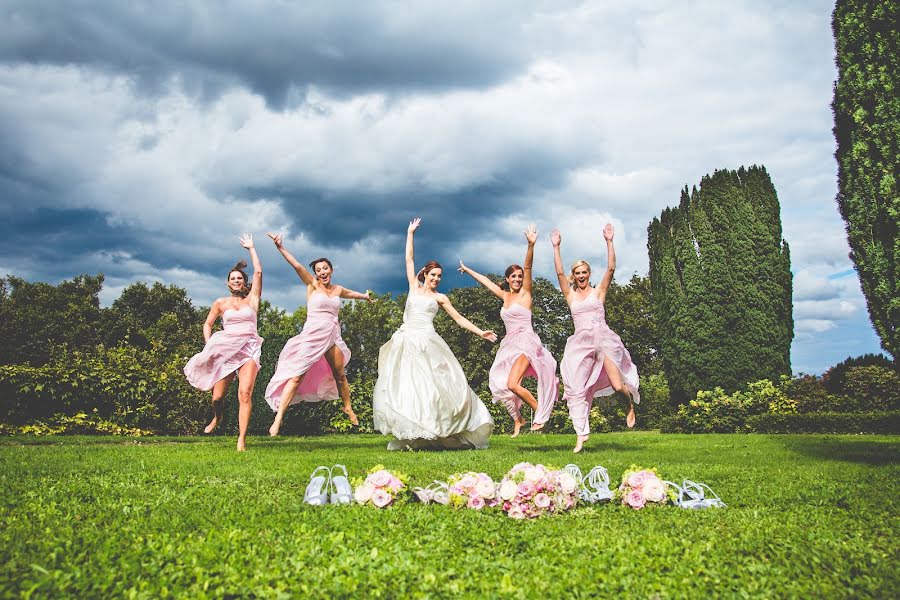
861,422
78,424
765,397
126,386
875,388
710,412
834,378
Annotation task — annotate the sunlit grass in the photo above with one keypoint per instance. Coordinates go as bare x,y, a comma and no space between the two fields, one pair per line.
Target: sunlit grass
100,517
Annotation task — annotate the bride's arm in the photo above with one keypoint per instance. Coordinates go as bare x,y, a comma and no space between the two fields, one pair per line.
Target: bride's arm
464,322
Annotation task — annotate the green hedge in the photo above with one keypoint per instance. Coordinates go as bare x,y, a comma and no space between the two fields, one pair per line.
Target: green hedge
871,422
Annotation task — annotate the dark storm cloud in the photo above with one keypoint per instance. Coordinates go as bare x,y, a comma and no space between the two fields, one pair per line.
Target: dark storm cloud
344,47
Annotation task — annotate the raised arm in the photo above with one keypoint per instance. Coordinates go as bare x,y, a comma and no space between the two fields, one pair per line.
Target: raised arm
464,322
555,239
304,274
610,262
482,280
531,236
256,286
351,295
410,255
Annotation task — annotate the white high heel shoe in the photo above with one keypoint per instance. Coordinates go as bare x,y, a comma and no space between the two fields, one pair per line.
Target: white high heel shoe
317,488
341,492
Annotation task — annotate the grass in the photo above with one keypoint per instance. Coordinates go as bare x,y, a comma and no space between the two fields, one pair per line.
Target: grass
188,517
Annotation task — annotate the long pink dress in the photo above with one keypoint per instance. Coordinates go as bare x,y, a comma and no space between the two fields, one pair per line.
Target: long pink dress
305,354
520,339
583,375
226,351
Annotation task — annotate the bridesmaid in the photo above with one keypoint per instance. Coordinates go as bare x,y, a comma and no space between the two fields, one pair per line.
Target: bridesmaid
521,353
232,351
311,365
595,362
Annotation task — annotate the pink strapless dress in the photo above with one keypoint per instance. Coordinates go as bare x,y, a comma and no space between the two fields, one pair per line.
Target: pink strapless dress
304,354
521,340
227,350
583,375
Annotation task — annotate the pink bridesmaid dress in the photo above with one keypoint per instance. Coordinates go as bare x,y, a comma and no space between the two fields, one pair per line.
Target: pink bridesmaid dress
583,375
227,350
520,339
304,354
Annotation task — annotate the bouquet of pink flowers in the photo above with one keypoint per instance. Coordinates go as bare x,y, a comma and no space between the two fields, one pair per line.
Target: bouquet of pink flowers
472,490
642,486
381,488
529,491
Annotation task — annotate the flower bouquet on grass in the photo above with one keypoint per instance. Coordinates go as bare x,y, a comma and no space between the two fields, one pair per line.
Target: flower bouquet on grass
472,490
529,491
381,488
641,487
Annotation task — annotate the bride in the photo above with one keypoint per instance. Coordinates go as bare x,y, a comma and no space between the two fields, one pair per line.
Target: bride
422,396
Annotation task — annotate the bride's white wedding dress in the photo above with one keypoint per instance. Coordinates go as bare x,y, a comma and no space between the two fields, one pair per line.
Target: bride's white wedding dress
422,396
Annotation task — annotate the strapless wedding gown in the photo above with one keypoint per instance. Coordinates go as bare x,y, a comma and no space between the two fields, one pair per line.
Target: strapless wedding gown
422,396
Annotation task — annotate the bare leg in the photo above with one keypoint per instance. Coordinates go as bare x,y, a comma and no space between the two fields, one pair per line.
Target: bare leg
246,381
286,395
335,359
615,379
514,384
218,402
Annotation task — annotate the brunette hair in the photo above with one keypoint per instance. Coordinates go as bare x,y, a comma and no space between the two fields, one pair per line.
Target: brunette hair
509,271
239,266
575,265
431,264
312,264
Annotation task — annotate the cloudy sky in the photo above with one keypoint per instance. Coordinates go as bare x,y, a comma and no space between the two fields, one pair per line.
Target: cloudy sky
139,139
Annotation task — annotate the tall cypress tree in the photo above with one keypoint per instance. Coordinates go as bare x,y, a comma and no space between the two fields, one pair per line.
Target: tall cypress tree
721,284
867,129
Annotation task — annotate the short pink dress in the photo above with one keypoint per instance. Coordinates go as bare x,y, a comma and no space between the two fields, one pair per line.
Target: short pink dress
582,365
521,340
226,351
304,354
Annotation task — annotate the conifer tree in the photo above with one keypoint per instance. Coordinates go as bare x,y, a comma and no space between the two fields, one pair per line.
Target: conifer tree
867,131
721,284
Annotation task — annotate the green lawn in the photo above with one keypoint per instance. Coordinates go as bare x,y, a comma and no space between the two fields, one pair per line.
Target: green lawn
189,517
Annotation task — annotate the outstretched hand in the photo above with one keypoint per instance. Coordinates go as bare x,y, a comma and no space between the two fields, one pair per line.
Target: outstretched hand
276,237
488,335
247,241
413,225
555,238
531,234
368,297
608,232
462,267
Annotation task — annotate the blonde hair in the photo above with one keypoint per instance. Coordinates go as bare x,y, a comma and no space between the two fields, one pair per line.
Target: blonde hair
575,265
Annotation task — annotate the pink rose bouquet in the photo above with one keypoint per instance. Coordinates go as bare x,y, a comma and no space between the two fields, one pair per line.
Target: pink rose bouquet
529,491
381,488
472,490
642,487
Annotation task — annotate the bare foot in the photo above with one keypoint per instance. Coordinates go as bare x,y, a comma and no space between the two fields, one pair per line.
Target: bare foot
212,426
517,425
241,446
580,443
537,426
349,412
276,425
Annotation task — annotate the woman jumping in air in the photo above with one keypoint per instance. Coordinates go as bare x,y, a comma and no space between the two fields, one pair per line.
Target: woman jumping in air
236,349
595,362
311,365
521,353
